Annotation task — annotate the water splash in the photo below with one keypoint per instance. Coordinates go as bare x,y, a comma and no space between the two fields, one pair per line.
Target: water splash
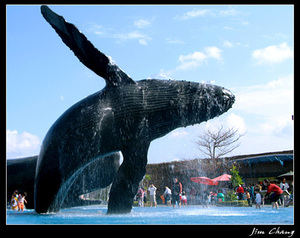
158,215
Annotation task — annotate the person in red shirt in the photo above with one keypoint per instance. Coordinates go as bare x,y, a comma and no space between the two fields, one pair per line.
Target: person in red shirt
274,192
240,192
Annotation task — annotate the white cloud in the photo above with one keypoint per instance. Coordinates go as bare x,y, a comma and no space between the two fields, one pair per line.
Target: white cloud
277,36
207,12
159,76
100,31
143,42
213,52
142,39
273,54
194,13
197,55
231,120
236,121
265,99
195,59
272,103
174,41
230,28
228,12
20,145
142,23
227,44
178,133
96,29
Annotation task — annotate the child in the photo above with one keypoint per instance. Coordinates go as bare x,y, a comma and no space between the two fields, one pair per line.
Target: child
167,194
145,197
183,199
140,196
257,199
14,202
248,198
21,201
220,196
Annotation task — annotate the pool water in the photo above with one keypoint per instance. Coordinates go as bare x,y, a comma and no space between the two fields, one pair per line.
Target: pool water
158,215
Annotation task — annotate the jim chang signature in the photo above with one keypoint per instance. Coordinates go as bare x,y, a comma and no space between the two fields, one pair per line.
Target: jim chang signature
272,231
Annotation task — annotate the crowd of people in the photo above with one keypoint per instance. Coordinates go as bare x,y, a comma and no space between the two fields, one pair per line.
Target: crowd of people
17,200
281,194
256,194
174,195
277,194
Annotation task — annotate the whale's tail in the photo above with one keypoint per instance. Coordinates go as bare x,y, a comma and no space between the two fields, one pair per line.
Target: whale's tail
85,51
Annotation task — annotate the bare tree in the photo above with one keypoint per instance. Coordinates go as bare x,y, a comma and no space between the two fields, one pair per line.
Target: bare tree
217,143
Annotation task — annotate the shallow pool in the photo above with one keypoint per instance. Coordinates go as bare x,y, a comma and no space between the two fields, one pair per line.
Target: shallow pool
158,215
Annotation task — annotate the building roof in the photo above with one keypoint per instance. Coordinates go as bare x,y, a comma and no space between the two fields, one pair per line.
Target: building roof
270,158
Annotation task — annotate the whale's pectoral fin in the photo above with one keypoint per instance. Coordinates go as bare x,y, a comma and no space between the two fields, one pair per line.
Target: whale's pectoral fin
85,51
125,185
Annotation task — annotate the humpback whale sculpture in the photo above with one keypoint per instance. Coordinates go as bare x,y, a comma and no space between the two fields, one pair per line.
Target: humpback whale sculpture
125,116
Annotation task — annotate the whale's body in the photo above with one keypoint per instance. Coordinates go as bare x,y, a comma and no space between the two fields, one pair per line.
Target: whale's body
123,117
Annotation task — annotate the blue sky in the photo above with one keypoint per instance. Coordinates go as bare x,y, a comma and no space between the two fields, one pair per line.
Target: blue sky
248,49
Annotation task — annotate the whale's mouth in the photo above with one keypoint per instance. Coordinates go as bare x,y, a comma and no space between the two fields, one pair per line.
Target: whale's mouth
229,98
227,92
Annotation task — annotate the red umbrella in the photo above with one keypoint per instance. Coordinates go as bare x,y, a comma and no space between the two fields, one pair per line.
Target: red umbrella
204,180
224,177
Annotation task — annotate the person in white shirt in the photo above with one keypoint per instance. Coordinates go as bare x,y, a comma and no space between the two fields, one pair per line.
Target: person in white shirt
167,195
257,199
152,190
284,187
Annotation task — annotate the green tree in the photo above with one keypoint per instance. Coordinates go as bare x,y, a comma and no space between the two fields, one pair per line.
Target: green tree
147,179
236,179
